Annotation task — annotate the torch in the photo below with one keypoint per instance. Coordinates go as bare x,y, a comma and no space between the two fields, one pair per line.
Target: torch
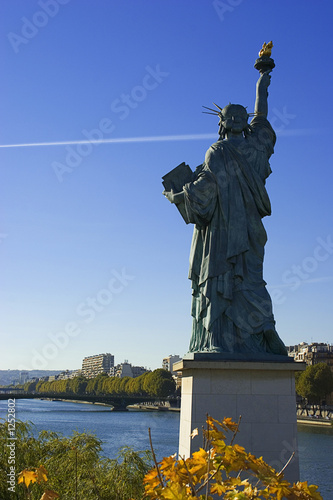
265,62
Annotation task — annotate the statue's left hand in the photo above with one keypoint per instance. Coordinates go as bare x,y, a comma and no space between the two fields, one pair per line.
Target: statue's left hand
170,195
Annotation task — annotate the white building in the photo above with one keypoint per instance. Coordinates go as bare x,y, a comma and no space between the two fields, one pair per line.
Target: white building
312,353
125,369
169,361
99,363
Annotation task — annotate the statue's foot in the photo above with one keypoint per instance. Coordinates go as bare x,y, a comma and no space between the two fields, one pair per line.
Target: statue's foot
275,344
214,349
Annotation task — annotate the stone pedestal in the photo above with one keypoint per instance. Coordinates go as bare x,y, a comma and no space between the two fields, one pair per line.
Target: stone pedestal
263,393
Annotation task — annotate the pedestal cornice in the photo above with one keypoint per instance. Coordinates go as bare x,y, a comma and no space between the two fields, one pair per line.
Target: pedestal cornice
190,364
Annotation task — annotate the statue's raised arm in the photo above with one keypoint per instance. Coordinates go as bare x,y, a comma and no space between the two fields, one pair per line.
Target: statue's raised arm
264,64
261,104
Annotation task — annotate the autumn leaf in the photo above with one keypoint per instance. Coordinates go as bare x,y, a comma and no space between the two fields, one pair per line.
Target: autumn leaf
238,449
230,424
281,491
167,462
236,495
49,495
152,474
27,477
175,492
185,479
194,433
311,490
200,455
219,489
41,474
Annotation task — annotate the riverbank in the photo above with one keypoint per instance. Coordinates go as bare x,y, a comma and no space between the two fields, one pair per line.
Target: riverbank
315,421
135,407
143,407
75,401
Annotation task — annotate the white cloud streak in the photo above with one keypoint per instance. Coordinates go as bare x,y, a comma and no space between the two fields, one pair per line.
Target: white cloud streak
324,279
156,138
119,140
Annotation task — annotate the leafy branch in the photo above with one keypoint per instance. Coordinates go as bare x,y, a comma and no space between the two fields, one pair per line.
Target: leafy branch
221,469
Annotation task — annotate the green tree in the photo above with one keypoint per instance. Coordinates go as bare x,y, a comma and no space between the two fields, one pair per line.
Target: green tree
30,386
74,465
315,383
91,386
78,385
115,385
159,383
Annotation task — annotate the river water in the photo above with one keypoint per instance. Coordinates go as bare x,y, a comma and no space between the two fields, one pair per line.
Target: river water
117,429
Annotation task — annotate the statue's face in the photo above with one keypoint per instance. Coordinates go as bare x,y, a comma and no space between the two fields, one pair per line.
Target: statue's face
234,118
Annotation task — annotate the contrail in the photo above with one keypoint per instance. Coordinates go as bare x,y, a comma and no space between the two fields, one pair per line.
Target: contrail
324,279
155,138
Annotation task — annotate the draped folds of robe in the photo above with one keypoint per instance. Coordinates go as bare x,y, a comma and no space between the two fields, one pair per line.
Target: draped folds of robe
231,308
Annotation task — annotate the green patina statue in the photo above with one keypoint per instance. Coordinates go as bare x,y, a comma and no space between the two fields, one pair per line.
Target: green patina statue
226,199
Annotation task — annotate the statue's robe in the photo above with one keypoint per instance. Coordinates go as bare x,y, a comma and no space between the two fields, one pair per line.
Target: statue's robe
231,308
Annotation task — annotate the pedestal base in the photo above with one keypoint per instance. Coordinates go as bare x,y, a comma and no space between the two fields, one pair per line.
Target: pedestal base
263,393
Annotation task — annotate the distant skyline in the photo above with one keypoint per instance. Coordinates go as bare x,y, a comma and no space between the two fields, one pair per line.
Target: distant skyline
99,100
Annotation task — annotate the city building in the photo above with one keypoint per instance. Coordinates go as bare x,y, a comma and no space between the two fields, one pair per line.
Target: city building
138,370
65,375
24,377
99,363
313,353
168,362
127,370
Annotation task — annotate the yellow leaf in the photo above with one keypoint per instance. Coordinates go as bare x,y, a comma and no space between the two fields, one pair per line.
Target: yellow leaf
311,490
230,424
219,489
200,455
167,462
239,449
152,474
49,495
175,492
27,477
280,491
194,433
41,474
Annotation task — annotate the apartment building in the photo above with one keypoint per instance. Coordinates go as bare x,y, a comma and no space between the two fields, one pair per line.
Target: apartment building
99,363
168,362
313,353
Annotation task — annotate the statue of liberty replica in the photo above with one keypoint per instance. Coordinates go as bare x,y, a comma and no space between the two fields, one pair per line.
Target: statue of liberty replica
226,200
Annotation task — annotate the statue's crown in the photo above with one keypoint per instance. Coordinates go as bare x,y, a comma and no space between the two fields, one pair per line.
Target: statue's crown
220,111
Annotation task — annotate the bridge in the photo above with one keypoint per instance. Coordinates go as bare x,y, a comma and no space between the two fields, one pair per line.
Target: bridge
119,402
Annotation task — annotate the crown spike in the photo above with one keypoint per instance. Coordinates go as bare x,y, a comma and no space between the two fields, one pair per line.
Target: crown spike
256,113
221,109
210,109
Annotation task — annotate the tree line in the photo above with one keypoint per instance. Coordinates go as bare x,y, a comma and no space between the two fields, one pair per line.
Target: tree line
315,383
158,383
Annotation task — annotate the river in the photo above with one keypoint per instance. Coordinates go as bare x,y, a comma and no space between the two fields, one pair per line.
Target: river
117,429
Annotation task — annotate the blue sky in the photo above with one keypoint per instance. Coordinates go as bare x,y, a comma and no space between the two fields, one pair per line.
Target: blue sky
93,257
